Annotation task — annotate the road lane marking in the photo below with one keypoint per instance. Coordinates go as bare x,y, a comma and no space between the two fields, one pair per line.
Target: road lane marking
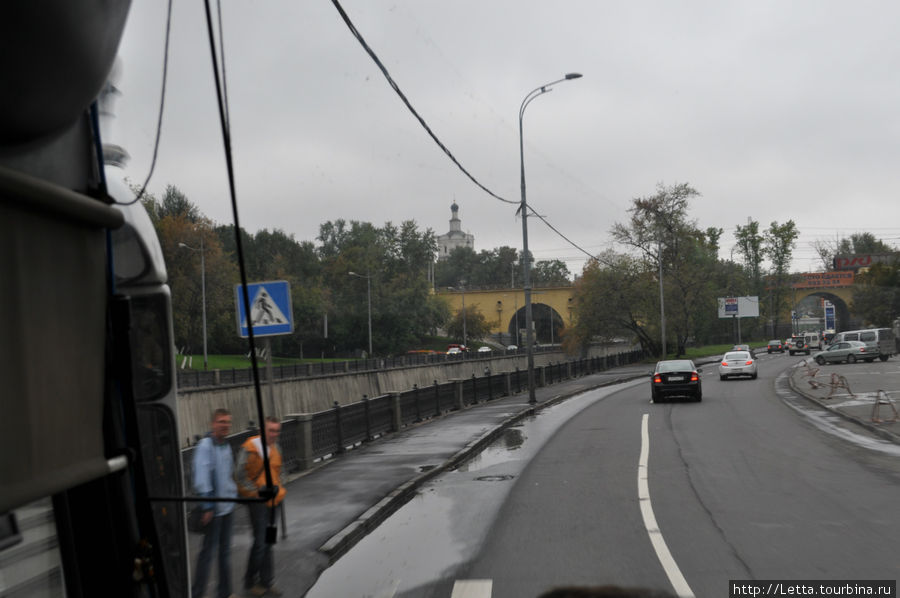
679,583
472,588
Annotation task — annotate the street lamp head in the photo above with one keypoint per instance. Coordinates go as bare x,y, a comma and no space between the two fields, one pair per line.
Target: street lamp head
573,75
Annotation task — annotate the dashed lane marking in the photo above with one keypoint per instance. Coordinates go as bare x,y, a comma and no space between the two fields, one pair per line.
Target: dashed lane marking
472,588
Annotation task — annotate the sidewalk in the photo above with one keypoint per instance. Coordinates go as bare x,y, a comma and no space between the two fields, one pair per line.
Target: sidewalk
330,508
854,392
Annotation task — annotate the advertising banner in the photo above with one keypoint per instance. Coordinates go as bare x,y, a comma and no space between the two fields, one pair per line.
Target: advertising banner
739,307
820,280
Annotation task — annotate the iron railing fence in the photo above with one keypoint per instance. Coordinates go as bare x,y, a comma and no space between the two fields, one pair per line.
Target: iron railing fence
309,438
242,376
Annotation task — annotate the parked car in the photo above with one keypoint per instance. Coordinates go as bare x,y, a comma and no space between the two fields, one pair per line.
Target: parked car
775,345
675,378
849,351
737,363
879,341
454,351
512,348
484,349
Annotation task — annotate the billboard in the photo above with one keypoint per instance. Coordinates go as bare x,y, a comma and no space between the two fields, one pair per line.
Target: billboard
739,307
819,280
856,261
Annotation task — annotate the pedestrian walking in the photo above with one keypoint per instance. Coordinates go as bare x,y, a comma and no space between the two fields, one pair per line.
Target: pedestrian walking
259,580
214,477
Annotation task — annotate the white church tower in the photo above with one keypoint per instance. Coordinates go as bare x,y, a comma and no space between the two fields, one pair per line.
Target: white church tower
455,237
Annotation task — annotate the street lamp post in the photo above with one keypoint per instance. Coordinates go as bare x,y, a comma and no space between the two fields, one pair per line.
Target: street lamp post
462,289
368,278
526,257
202,292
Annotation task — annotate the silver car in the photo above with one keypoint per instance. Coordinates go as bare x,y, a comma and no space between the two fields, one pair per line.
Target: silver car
737,363
849,351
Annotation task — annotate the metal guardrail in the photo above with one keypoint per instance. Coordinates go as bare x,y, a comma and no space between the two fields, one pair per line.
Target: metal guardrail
239,376
310,438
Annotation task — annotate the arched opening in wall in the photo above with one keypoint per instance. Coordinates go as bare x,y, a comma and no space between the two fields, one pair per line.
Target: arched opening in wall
811,313
548,325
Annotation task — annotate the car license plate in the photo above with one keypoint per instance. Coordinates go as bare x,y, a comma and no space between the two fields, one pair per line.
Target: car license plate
676,378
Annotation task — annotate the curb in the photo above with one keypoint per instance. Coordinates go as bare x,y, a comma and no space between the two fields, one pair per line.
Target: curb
344,540
872,427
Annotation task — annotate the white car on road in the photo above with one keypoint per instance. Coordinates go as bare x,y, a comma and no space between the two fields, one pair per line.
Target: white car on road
737,363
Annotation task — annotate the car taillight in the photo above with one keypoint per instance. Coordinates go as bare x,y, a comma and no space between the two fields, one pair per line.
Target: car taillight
749,362
862,349
694,377
725,363
657,379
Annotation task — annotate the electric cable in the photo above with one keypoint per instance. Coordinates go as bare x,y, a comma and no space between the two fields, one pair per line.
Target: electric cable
162,103
239,247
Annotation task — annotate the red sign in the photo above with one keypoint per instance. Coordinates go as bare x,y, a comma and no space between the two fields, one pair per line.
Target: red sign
862,260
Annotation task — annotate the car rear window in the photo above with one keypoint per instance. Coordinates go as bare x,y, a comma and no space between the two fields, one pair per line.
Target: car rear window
737,356
676,366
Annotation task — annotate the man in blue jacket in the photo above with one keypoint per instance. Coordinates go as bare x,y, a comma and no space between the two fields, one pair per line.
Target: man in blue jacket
214,477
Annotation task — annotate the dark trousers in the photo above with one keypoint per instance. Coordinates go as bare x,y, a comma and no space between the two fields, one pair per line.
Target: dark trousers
260,563
216,536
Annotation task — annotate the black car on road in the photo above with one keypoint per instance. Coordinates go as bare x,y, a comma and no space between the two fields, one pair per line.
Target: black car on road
675,378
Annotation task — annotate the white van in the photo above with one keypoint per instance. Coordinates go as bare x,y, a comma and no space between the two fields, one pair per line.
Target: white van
878,340
813,340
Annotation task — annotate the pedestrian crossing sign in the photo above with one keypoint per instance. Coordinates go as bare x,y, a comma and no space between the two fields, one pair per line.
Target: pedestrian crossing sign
270,308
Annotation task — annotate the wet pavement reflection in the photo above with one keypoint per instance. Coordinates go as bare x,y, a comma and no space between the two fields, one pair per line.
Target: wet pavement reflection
428,539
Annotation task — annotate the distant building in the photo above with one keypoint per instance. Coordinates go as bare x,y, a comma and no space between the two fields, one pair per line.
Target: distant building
454,237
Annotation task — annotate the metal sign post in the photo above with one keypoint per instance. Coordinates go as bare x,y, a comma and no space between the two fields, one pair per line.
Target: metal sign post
271,314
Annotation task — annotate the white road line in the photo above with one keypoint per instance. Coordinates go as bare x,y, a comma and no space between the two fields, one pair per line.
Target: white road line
472,588
659,544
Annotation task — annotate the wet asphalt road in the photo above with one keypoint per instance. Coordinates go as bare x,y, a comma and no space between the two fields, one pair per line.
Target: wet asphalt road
744,485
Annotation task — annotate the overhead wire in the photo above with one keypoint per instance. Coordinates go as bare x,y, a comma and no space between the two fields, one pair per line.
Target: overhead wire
427,128
229,162
162,103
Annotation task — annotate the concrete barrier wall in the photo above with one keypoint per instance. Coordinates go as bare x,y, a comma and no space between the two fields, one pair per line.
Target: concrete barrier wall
310,395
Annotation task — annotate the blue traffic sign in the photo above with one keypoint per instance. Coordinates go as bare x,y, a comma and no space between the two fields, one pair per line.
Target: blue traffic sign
270,308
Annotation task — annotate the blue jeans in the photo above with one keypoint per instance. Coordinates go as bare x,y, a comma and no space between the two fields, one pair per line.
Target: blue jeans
216,536
260,565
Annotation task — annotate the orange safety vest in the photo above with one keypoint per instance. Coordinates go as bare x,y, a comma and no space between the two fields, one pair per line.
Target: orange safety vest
255,470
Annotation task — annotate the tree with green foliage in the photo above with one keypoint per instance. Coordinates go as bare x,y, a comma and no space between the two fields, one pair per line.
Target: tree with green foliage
750,248
476,326
779,248
551,272
876,295
395,260
614,297
667,240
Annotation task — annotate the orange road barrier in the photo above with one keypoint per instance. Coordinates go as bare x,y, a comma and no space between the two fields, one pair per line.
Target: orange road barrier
883,399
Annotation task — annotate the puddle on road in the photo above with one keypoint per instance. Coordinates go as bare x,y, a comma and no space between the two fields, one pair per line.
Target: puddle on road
498,451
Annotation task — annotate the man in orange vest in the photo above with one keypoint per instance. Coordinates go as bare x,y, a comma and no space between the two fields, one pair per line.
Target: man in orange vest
251,478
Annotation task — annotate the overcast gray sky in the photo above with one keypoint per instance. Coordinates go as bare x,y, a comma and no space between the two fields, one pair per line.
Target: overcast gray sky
772,110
